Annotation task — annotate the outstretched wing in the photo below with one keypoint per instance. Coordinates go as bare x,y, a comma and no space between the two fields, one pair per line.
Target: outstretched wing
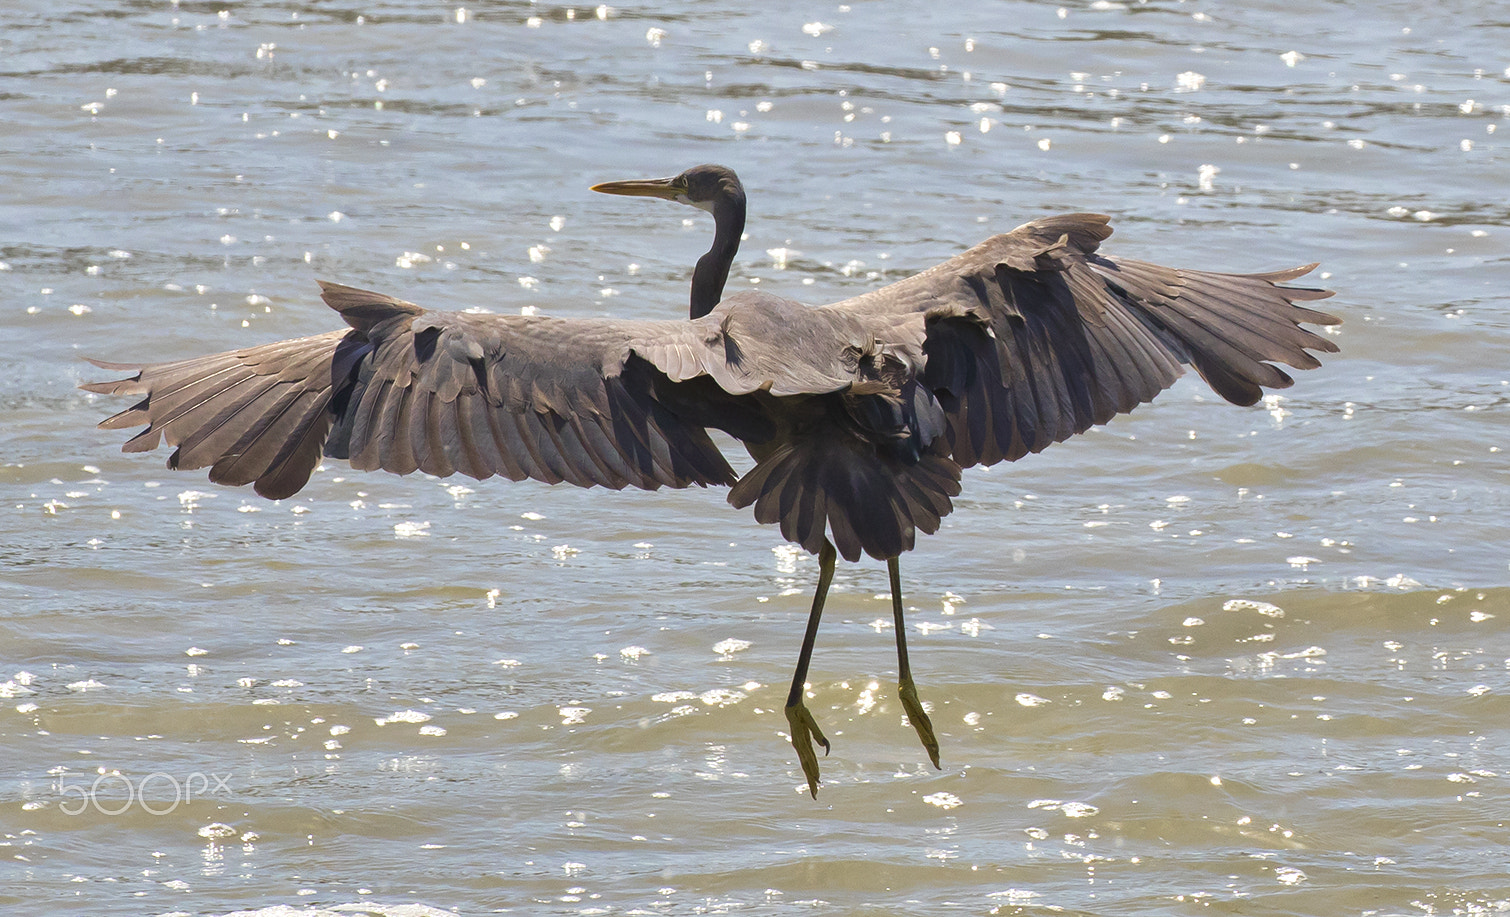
552,399
409,389
1033,336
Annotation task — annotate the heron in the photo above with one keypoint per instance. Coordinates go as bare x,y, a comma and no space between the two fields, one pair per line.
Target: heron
859,415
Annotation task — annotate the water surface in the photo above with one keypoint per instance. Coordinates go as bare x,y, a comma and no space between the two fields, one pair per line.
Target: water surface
1203,660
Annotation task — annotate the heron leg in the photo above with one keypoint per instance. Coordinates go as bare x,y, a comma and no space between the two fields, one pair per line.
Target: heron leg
805,729
906,689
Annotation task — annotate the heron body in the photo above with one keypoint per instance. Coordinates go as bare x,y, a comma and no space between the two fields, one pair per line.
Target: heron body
859,414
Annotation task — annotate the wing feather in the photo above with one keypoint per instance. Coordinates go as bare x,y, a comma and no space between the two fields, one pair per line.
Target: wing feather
407,389
517,396
1034,336
258,415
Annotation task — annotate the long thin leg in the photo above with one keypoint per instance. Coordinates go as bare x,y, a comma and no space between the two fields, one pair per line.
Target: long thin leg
805,730
906,690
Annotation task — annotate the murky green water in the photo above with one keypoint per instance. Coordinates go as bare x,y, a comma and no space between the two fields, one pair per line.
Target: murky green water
1203,660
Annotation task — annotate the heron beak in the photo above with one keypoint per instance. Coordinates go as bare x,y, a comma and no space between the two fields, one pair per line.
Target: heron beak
667,189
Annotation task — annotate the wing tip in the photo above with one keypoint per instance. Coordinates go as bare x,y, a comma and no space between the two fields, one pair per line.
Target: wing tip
114,367
115,386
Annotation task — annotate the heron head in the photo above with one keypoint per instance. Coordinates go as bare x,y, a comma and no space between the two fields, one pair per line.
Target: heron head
704,187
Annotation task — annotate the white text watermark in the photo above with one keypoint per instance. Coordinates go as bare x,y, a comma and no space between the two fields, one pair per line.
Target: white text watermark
156,793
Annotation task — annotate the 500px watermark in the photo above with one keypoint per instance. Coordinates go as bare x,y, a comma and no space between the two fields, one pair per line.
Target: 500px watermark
156,793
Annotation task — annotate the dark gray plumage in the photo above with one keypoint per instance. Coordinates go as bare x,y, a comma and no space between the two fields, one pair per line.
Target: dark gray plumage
859,414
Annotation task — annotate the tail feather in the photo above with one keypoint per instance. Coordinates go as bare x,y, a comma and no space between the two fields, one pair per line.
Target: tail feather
870,502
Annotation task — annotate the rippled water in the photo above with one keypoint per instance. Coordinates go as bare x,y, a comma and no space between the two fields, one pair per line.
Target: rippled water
1203,660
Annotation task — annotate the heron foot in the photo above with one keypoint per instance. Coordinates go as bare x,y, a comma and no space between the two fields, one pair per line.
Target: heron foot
908,692
805,732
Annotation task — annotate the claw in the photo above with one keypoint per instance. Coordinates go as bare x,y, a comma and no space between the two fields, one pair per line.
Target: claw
804,732
908,692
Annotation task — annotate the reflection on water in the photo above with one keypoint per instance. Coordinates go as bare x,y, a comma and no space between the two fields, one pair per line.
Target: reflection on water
1204,659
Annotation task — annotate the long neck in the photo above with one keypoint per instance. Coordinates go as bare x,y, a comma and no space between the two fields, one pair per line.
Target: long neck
713,268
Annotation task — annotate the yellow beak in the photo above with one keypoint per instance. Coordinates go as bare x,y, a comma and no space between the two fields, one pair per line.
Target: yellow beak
667,189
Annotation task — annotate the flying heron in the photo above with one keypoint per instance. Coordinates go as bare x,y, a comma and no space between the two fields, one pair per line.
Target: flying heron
859,414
